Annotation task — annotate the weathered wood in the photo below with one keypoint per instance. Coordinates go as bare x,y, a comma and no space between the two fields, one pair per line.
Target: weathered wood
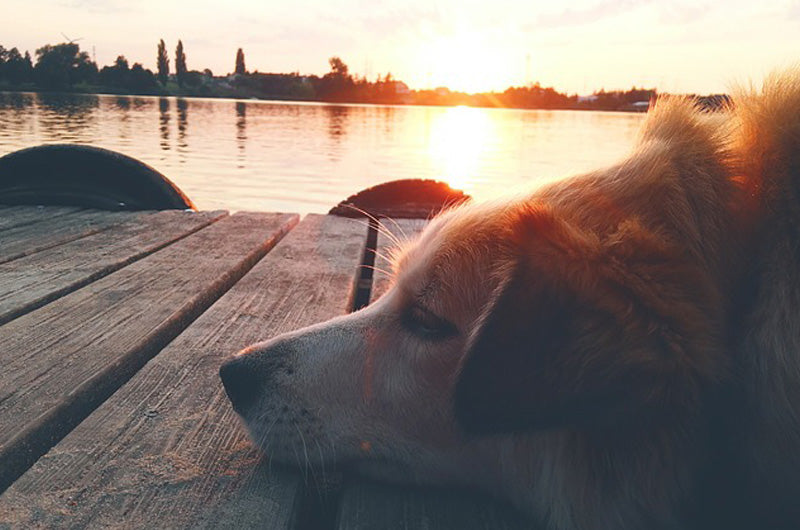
63,360
32,281
30,238
166,450
367,505
11,216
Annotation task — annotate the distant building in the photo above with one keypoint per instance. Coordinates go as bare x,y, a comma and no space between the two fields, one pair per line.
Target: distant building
637,106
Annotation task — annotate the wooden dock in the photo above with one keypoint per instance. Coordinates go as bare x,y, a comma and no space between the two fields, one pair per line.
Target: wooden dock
112,329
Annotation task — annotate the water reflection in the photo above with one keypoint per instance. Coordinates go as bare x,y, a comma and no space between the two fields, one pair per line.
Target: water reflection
16,100
183,124
123,103
139,103
163,122
241,132
337,121
67,104
459,138
66,117
389,117
337,129
282,156
14,108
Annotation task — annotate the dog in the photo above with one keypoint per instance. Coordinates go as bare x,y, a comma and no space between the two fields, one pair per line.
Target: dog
582,351
764,429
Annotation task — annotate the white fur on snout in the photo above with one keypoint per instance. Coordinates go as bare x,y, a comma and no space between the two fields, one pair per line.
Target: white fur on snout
360,387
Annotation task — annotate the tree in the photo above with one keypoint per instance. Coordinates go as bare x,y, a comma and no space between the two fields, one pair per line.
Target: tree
19,69
141,80
117,75
180,64
163,63
240,69
338,68
3,59
62,65
336,85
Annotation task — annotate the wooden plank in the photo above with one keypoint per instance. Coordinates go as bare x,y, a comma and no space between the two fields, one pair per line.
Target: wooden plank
366,505
32,281
63,360
166,450
30,238
12,216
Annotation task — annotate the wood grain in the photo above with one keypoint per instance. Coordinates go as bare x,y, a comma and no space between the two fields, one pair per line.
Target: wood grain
166,450
32,281
11,216
63,360
30,238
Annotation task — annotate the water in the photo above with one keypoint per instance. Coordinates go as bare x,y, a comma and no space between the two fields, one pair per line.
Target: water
306,157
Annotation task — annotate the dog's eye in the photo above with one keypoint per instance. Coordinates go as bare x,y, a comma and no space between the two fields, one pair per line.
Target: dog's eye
424,323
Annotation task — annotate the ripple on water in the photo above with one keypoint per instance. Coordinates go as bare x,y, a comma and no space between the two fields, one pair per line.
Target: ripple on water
306,157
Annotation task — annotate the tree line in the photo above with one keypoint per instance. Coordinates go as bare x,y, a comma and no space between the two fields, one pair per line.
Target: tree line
65,67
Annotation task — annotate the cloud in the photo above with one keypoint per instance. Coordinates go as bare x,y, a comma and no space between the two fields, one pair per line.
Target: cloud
587,15
794,11
682,14
104,7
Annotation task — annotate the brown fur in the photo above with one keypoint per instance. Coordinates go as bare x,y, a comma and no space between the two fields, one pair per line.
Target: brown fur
765,431
570,350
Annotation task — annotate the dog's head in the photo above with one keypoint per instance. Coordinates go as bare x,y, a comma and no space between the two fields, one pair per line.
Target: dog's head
591,306
375,387
501,320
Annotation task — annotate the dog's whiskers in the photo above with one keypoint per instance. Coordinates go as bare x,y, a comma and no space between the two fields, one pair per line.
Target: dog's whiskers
376,222
303,468
388,274
397,240
321,459
381,227
384,257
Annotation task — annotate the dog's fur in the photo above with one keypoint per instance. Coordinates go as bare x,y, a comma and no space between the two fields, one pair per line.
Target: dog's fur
577,351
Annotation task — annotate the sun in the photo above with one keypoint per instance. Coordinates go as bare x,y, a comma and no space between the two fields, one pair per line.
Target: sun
465,62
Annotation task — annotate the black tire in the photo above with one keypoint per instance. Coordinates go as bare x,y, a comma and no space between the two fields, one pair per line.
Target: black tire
405,198
82,175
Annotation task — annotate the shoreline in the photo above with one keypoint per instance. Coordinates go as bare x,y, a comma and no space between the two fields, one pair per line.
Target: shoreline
104,91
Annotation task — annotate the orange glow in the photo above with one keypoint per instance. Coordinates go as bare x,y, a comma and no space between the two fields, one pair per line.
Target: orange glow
465,62
459,138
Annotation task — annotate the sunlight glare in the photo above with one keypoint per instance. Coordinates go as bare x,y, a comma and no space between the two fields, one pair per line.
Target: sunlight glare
465,62
458,142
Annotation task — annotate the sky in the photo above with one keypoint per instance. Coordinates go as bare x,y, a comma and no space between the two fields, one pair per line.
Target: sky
577,47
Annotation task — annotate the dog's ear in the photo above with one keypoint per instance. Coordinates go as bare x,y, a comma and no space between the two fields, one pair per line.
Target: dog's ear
584,331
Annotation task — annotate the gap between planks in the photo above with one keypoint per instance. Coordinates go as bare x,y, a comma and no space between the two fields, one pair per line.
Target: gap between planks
21,241
33,281
65,359
166,450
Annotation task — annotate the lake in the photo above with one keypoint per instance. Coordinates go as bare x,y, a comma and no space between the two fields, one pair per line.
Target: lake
306,157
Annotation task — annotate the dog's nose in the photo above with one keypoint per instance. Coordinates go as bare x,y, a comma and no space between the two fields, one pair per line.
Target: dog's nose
241,383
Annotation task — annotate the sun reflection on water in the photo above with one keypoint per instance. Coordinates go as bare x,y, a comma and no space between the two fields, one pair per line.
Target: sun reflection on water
458,143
